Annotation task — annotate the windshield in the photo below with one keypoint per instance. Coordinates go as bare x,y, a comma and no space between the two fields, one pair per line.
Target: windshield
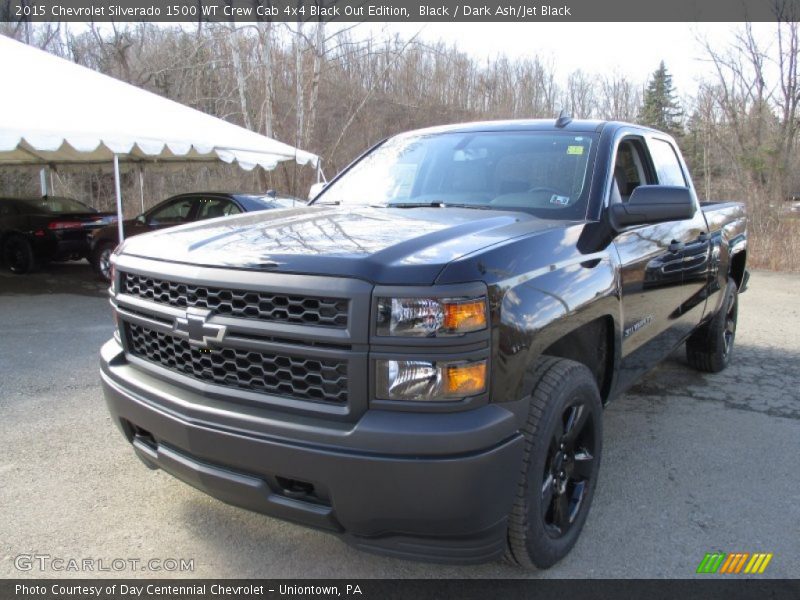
545,173
59,205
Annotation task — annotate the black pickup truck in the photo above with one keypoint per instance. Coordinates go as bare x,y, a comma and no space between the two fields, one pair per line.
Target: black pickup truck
419,359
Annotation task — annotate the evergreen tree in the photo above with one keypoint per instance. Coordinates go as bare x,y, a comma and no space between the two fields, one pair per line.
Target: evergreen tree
661,109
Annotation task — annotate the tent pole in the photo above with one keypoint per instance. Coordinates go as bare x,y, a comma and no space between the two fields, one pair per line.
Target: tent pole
119,199
43,181
141,185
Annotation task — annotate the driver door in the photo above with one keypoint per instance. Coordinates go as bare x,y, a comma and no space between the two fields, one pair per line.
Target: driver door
171,213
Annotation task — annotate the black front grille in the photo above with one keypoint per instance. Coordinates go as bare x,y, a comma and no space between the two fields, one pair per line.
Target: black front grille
322,380
246,304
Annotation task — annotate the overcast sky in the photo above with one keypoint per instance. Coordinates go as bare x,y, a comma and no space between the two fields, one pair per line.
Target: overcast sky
634,49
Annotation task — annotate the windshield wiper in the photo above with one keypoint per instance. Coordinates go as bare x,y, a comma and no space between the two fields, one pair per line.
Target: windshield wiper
476,206
435,204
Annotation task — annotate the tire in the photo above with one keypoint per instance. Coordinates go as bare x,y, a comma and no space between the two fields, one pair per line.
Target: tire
710,348
561,460
18,255
101,257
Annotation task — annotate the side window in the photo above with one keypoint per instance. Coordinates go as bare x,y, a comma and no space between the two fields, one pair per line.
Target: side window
232,209
629,170
210,208
668,167
175,212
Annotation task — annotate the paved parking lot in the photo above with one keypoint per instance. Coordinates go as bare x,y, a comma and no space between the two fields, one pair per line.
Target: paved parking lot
692,463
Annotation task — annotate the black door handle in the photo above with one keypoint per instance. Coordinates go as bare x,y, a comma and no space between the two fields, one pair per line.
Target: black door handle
676,246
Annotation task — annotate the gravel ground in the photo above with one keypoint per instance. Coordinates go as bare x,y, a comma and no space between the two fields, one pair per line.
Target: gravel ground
692,463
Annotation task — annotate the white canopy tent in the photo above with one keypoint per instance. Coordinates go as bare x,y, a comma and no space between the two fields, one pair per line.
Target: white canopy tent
55,111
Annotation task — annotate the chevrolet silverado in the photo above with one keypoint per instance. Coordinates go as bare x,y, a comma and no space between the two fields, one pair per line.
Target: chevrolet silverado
419,359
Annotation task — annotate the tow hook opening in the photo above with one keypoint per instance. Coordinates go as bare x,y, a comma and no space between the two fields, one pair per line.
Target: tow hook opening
144,436
143,442
296,489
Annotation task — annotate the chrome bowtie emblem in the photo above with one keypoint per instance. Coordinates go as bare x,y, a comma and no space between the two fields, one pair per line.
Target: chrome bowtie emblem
194,325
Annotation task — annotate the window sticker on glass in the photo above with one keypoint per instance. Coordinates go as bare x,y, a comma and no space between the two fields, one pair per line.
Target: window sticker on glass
559,200
578,150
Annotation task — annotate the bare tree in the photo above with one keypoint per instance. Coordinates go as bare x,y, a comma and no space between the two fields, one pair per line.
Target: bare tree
580,95
316,71
620,99
265,34
241,82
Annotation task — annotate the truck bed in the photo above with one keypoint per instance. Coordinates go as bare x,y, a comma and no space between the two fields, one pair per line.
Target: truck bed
724,213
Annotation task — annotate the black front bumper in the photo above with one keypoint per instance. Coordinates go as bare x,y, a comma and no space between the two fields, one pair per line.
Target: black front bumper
434,486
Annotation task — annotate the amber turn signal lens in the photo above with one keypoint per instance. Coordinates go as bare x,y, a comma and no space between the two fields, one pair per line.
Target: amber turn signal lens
466,380
466,316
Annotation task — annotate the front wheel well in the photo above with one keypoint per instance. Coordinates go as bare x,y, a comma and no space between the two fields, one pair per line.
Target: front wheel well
737,268
592,345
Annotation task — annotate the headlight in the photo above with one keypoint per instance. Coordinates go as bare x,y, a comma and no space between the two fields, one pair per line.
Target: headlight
424,380
430,317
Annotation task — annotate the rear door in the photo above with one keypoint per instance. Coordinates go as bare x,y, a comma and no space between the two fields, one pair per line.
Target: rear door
653,293
693,259
216,206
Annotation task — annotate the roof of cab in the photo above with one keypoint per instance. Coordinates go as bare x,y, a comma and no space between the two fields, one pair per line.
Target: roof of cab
574,125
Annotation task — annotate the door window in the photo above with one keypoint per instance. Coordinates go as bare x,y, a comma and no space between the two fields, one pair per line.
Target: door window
668,167
177,211
210,208
629,170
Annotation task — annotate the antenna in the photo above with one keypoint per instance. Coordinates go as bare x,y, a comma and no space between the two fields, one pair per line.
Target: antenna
563,119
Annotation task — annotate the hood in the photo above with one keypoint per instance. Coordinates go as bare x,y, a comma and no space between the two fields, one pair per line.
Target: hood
382,245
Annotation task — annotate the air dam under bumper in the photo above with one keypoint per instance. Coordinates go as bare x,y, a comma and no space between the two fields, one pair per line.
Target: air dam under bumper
438,507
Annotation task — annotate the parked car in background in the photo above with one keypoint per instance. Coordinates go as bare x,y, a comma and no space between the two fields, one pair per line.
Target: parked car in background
183,208
50,228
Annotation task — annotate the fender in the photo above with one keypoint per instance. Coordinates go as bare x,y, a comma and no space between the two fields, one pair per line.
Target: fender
728,248
541,288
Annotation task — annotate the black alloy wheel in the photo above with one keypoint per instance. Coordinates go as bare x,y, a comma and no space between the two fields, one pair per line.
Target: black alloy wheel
569,469
18,255
710,348
561,460
729,328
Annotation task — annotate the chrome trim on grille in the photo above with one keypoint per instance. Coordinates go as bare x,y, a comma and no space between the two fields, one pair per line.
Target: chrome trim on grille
259,305
216,333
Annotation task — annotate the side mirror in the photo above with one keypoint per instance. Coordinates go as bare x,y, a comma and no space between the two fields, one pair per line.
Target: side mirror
141,219
651,204
316,189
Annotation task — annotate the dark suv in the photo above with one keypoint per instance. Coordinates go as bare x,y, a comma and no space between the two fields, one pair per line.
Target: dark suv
36,230
183,208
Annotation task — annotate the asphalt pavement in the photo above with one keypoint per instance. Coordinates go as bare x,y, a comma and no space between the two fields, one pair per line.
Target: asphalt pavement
693,463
